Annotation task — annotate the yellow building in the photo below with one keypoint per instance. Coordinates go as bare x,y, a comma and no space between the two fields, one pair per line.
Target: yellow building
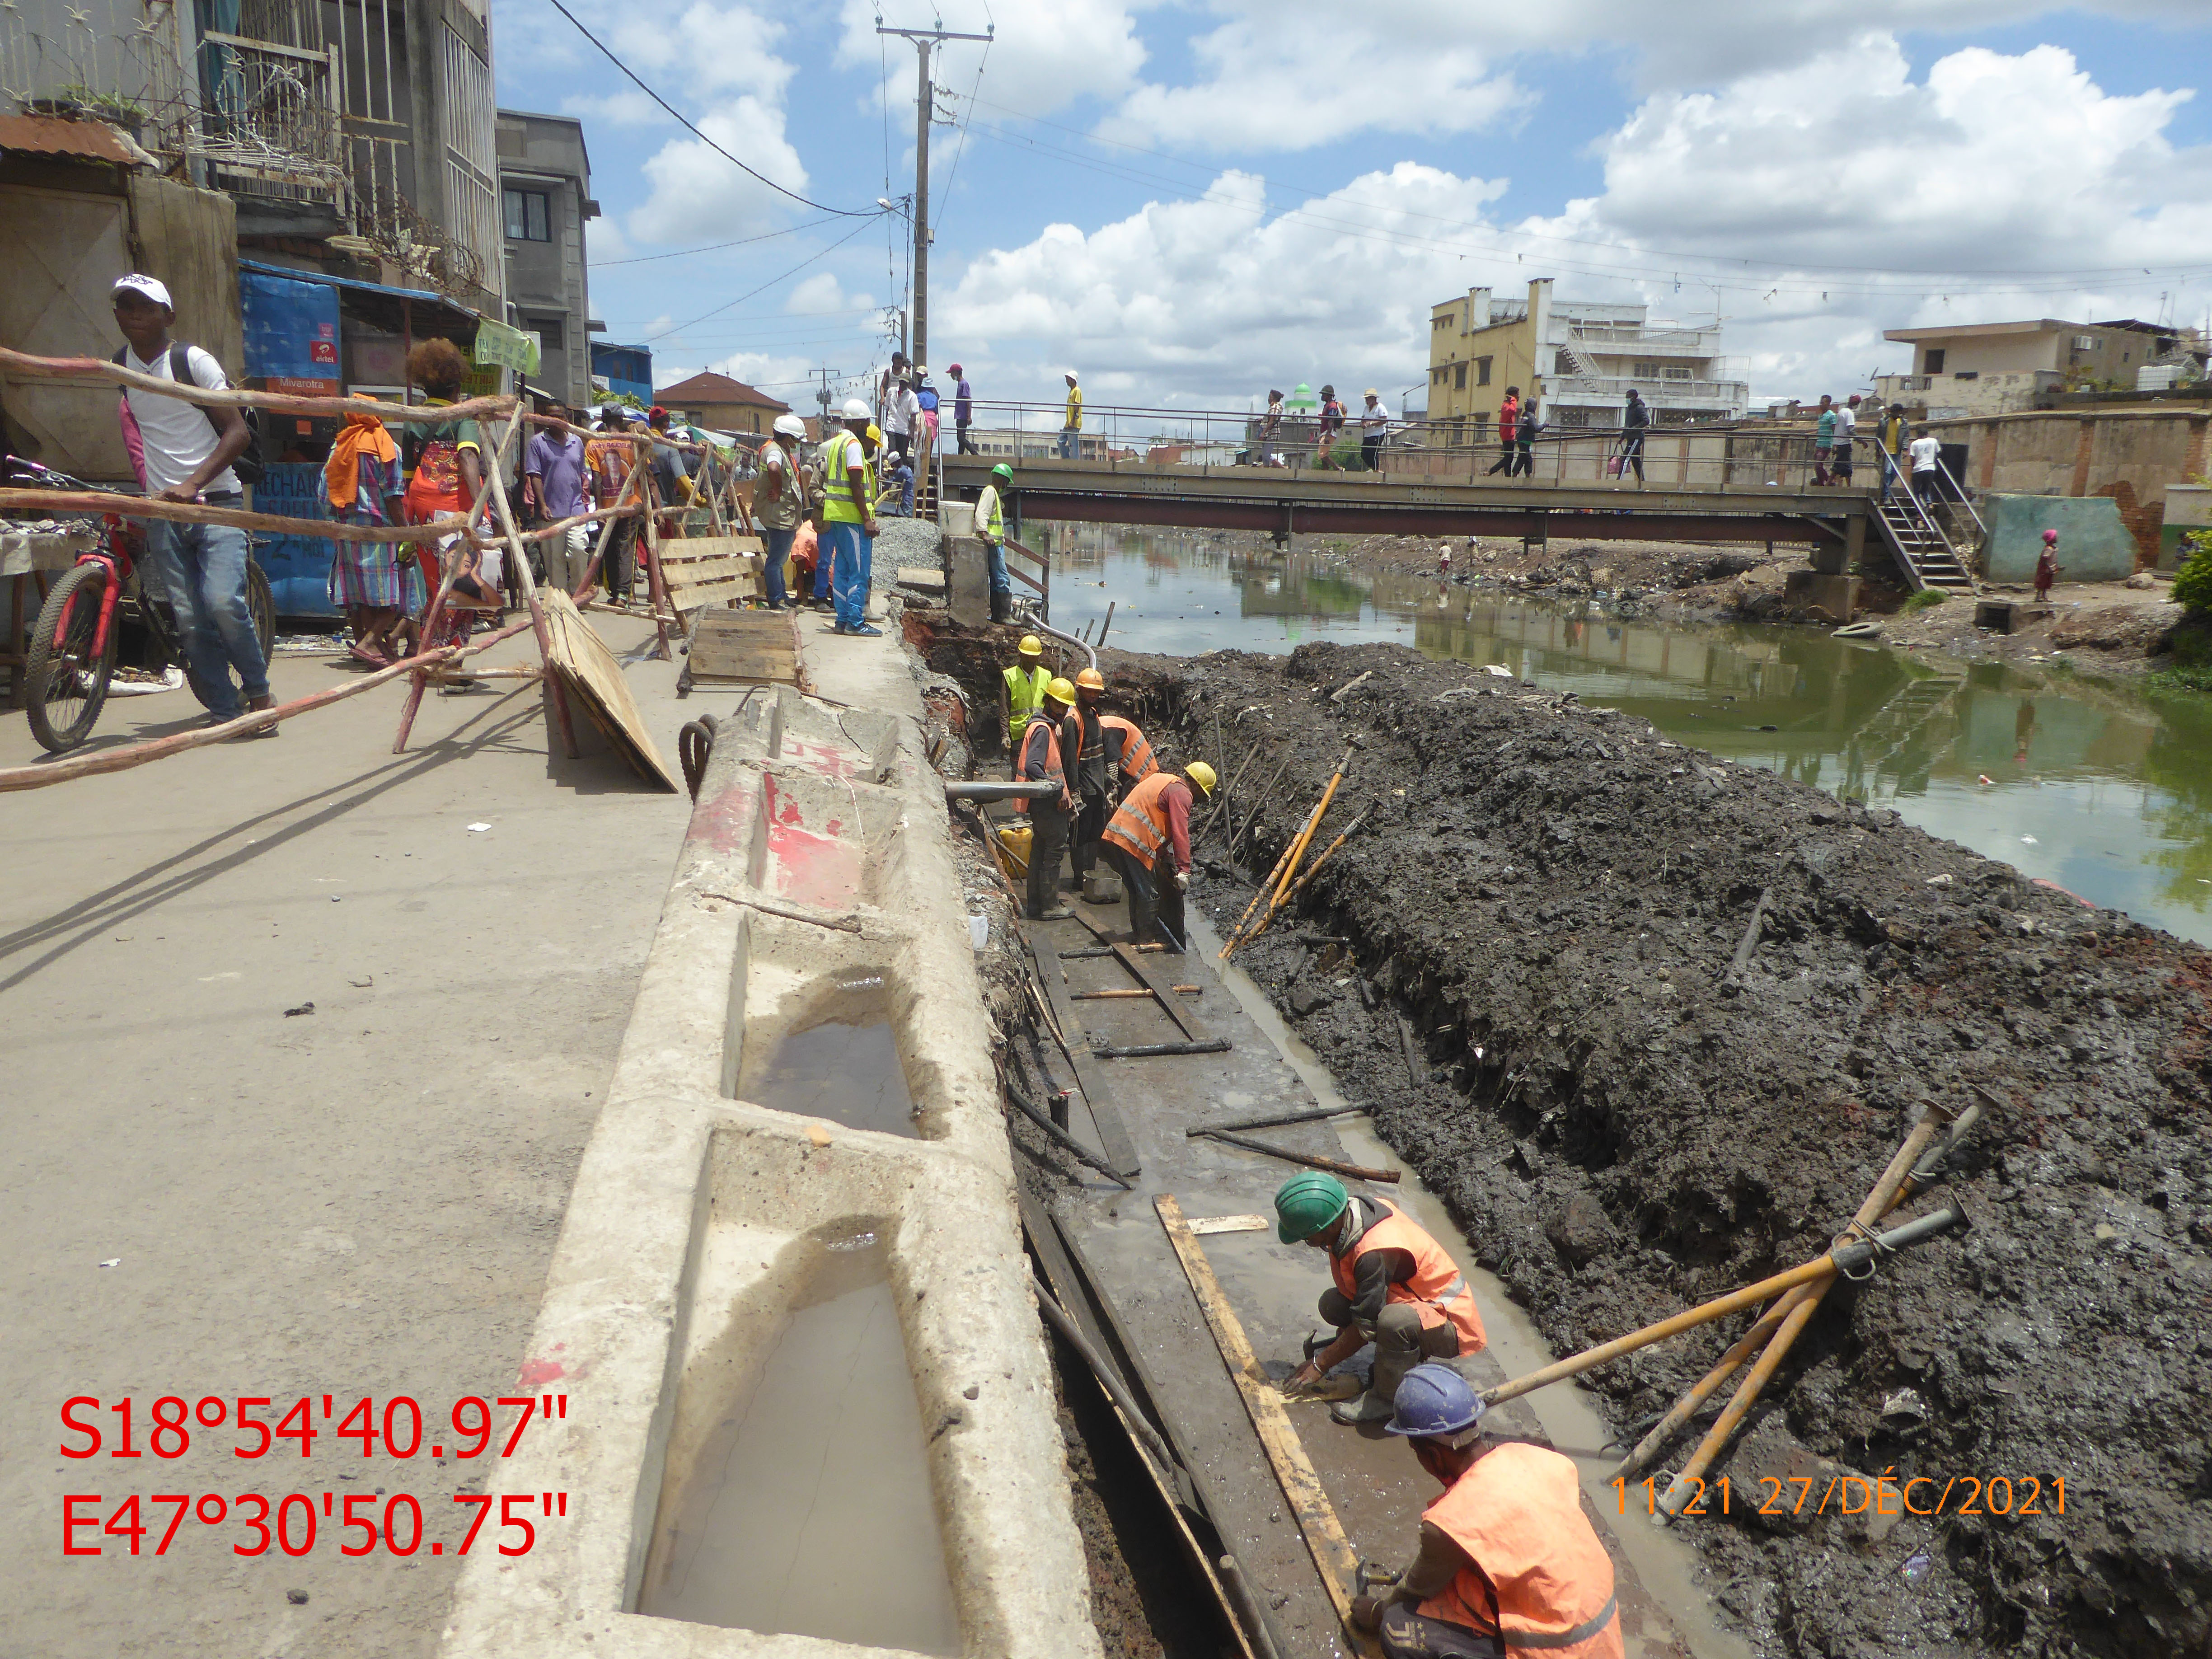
1478,347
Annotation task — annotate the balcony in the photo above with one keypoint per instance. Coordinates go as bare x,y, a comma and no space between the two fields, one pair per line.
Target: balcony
1703,395
1630,341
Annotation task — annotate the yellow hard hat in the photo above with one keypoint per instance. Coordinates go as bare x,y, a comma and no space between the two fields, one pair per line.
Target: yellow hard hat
1060,691
1091,680
875,432
1031,645
1202,775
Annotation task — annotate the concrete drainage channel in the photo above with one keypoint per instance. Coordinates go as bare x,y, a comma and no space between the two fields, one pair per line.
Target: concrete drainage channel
808,1409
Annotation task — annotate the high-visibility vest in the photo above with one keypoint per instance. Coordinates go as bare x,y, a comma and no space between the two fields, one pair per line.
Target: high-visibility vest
1052,772
1088,744
1140,823
836,486
1127,748
990,515
1437,1287
1518,1513
1024,692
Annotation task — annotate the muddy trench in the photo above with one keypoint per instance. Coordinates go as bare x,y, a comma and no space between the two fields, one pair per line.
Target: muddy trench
1525,966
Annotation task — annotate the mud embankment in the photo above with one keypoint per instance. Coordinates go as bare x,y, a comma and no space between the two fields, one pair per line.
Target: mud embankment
1553,899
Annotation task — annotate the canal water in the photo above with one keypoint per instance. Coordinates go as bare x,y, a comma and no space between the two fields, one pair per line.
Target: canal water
2105,790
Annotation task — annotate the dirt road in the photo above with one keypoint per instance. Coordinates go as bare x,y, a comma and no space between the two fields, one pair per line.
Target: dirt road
203,1197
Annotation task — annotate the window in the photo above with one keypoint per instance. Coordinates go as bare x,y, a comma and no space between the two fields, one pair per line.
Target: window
1644,371
1968,375
2085,343
1680,374
550,335
1459,377
527,215
1482,371
1933,365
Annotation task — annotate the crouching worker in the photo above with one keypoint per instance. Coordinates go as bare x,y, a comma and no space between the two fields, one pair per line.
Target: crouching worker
1148,842
1508,1568
1395,1287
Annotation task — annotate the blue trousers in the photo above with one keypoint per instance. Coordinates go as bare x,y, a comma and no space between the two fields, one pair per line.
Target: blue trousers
202,569
996,554
779,550
848,562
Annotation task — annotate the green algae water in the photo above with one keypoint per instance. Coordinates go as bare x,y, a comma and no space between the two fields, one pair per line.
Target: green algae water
2103,789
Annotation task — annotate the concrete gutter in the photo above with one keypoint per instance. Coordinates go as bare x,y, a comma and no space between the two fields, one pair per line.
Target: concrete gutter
697,1216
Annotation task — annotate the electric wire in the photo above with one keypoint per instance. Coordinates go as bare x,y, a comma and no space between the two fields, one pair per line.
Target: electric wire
710,247
806,201
764,286
961,149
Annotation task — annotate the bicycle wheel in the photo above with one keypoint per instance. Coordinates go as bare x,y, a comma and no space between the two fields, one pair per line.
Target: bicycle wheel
65,683
261,606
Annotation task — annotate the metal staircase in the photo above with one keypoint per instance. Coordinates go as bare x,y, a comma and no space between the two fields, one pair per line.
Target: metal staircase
1917,539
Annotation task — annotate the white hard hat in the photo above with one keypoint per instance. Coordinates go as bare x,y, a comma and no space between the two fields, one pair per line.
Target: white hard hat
856,410
790,426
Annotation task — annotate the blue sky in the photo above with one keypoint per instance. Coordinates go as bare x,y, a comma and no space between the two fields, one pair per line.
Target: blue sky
1191,203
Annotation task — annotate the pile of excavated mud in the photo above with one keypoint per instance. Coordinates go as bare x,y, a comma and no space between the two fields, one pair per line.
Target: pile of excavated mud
1553,898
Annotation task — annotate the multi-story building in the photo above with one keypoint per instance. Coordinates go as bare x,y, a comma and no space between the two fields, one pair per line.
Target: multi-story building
545,198
1039,443
626,369
354,135
1997,368
1577,360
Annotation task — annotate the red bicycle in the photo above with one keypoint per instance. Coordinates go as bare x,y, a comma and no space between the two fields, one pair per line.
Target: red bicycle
74,643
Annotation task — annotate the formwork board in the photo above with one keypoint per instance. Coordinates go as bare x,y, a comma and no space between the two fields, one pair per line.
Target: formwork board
591,675
742,647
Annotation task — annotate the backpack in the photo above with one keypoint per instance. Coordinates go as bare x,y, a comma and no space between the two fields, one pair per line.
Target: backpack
247,466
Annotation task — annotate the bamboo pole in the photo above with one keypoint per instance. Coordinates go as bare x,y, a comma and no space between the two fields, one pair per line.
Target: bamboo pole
556,697
1259,804
1305,839
125,757
1254,904
278,402
606,534
1793,1321
79,501
653,583
1280,879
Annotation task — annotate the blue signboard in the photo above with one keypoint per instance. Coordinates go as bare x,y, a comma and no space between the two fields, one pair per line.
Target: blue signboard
298,567
291,333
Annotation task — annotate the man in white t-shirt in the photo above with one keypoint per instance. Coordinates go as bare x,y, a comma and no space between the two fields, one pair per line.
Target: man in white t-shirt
1847,426
1925,452
1373,426
188,451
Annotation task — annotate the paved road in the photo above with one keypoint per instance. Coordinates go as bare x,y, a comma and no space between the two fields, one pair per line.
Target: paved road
358,1201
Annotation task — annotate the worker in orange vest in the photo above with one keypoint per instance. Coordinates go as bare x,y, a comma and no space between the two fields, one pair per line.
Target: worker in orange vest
1148,843
1040,758
1083,739
1395,1287
1509,1566
1128,755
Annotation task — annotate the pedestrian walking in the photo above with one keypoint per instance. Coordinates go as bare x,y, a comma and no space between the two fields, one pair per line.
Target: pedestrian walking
780,500
1509,419
1332,426
924,431
1889,439
1071,431
1927,455
963,412
556,482
1270,424
849,510
2046,566
1374,428
444,461
1635,421
368,581
1840,457
897,415
1824,438
1524,443
610,458
185,453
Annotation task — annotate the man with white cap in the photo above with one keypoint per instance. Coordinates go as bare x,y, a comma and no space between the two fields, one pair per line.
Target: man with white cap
847,516
1373,426
1071,434
184,453
780,502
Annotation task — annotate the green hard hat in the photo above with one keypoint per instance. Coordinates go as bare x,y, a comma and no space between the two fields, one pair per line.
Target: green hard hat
1307,1203
1002,471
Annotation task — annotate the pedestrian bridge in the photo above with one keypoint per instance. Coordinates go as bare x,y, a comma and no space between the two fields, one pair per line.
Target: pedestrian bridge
1308,501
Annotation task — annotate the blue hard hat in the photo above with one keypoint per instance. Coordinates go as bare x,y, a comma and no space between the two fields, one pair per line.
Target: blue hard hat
1433,1400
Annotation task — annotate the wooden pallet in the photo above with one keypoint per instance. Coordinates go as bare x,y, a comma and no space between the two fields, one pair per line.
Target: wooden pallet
699,571
740,647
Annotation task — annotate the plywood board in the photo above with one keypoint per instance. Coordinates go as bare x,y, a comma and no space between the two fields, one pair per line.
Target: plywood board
742,647
592,677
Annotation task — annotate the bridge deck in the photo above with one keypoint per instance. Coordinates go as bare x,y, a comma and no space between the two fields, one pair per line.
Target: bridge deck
1377,504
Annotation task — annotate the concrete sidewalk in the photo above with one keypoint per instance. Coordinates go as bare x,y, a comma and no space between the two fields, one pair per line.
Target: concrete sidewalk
358,1201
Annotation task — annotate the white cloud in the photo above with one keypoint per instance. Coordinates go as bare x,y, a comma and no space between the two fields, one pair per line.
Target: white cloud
604,240
699,196
1049,54
627,107
823,295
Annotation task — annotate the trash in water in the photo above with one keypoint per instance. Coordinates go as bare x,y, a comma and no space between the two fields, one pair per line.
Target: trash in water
2029,841
479,828
115,1261
1917,1566
304,1008
857,1242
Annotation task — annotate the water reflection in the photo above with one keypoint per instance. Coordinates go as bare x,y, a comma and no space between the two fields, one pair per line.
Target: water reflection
2106,791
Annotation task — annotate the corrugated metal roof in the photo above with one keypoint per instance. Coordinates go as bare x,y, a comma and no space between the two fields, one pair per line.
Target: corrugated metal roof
355,282
55,135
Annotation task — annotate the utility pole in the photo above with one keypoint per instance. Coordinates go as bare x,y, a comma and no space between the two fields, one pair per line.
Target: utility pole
925,106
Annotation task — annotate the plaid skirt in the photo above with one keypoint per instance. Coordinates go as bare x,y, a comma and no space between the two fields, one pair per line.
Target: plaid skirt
369,573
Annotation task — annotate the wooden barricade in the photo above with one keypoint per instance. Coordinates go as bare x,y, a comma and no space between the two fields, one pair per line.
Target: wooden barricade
699,571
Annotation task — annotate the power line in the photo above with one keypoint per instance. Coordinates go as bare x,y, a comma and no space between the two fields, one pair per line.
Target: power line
807,201
764,286
711,247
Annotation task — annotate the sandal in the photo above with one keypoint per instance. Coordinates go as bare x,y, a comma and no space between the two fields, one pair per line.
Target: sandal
361,652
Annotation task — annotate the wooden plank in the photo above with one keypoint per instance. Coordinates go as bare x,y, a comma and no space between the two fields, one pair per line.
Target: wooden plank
586,666
710,547
1113,1134
1162,987
752,648
1230,1223
1333,1554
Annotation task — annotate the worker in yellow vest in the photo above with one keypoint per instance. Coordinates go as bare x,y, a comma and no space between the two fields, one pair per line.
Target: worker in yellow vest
1052,808
849,513
1147,842
1022,688
991,530
1393,1285
1508,1564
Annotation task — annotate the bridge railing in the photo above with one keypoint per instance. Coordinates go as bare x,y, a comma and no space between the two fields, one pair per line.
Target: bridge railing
1694,456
